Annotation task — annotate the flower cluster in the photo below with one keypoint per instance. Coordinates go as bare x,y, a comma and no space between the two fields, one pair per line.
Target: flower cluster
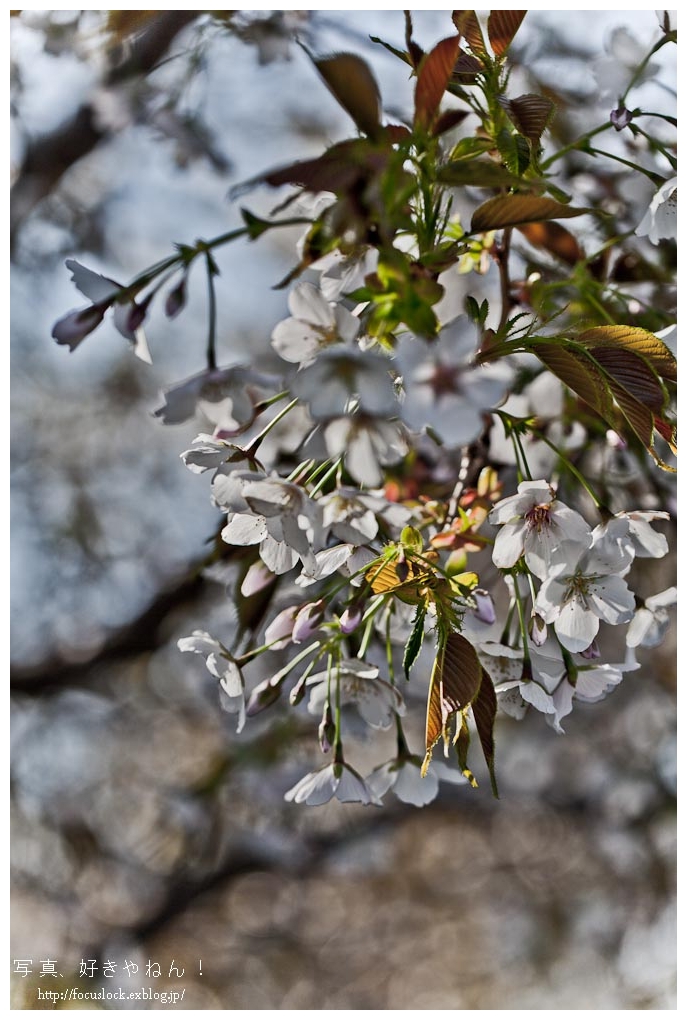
362,472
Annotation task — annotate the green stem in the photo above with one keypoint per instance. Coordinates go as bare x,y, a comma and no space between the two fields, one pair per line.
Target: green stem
212,315
325,478
601,507
578,144
253,448
655,179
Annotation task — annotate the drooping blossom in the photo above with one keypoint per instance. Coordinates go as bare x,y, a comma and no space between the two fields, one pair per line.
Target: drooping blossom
128,316
650,622
226,397
402,776
222,666
336,780
360,685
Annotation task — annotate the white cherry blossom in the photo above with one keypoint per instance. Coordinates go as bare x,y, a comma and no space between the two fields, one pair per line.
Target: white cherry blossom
534,524
343,378
221,665
367,443
585,586
226,397
359,684
650,622
315,323
336,780
444,389
660,219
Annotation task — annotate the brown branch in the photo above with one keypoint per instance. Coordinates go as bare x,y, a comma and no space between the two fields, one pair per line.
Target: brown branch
47,158
141,635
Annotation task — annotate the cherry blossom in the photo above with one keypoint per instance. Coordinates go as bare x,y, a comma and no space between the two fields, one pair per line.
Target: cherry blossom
336,780
367,444
315,323
660,219
444,388
650,622
342,378
221,665
359,684
584,586
226,397
534,524
402,776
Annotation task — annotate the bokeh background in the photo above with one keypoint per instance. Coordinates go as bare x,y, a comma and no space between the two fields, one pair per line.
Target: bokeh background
143,828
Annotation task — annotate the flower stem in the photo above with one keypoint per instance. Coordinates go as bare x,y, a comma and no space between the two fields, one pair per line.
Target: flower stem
212,314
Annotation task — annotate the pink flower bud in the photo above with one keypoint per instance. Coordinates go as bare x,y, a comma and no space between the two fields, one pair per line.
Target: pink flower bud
257,577
176,299
484,610
308,620
351,617
278,634
75,326
327,730
262,696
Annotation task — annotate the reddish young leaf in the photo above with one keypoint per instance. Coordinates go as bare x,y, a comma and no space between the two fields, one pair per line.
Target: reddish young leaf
501,28
555,239
530,114
632,373
484,710
449,119
432,78
633,338
352,83
468,25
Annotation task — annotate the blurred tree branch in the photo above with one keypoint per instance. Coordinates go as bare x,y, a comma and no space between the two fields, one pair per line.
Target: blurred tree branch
47,158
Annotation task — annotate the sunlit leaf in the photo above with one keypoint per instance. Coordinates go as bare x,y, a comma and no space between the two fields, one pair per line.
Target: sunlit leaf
512,210
635,339
385,578
432,78
501,28
573,366
352,83
454,685
634,374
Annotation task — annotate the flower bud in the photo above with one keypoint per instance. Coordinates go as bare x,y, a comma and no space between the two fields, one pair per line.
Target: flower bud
72,328
278,634
308,620
176,299
297,692
351,617
262,696
326,731
538,630
484,610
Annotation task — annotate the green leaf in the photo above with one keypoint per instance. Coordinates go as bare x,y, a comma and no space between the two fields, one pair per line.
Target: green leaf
432,79
632,338
480,173
411,539
254,224
455,681
354,86
484,710
512,210
468,148
414,642
514,150
501,28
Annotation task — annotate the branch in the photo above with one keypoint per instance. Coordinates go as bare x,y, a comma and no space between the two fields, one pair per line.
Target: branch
49,157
